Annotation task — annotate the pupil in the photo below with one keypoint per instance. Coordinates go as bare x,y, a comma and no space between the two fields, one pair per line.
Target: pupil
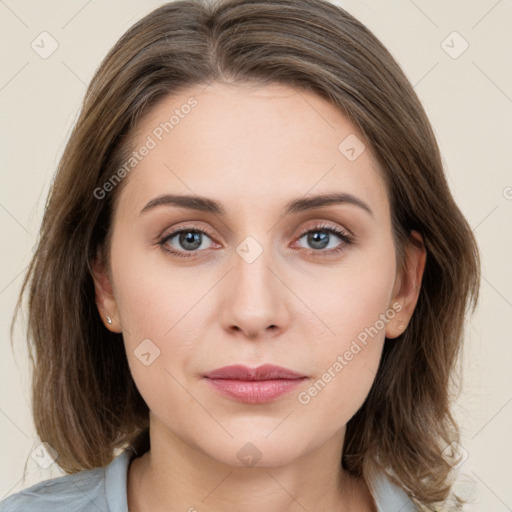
190,238
318,240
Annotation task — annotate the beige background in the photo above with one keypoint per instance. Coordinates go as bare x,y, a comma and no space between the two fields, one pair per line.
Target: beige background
469,102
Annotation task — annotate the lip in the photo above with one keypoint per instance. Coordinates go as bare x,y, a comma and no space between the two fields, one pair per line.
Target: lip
263,372
254,385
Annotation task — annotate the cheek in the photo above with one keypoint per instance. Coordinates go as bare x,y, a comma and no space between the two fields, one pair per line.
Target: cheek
151,295
355,310
350,298
163,314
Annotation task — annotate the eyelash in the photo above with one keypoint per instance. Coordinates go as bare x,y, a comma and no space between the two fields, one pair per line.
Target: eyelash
346,238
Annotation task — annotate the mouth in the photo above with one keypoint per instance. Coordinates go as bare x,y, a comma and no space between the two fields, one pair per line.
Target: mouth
254,385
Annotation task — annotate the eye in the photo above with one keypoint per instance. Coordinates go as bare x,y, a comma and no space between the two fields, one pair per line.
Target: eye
187,239
320,238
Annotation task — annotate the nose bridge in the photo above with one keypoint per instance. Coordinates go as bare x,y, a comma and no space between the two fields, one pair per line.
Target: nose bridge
253,281
255,297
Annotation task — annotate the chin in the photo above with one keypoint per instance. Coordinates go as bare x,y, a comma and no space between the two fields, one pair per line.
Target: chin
253,450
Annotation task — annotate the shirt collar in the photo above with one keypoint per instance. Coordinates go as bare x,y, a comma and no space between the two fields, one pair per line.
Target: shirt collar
387,495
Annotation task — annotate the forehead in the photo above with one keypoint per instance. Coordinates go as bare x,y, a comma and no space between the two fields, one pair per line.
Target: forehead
251,144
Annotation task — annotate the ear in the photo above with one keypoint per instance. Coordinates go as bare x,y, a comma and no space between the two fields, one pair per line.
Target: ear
407,286
104,294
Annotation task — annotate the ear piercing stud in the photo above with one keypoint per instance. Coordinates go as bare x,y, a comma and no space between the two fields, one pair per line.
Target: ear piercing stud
109,320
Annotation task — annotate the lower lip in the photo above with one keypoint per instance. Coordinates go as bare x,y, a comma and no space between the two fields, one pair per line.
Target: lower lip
255,391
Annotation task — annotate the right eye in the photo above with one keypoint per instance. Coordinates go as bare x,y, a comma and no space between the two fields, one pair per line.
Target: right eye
188,239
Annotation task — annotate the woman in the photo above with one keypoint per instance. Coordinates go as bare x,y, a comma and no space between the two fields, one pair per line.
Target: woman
252,278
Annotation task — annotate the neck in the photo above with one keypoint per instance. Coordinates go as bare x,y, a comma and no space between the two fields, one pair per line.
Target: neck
174,476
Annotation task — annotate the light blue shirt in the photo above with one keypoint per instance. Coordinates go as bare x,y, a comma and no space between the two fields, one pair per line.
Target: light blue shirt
104,490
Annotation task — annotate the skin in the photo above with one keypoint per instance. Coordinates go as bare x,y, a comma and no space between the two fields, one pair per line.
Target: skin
253,149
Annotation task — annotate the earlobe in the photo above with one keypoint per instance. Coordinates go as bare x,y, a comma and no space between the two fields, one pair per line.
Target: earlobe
409,285
395,328
104,295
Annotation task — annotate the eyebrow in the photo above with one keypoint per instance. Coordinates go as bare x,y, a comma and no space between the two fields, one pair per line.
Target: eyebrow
204,204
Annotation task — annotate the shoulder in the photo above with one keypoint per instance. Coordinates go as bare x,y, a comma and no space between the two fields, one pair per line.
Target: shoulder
387,494
86,491
79,489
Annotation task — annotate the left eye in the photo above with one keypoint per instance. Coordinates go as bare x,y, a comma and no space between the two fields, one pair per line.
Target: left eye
320,237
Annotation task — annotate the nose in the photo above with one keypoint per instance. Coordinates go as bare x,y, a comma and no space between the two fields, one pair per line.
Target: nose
254,299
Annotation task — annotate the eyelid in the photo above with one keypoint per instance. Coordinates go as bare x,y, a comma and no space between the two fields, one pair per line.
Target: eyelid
188,226
327,225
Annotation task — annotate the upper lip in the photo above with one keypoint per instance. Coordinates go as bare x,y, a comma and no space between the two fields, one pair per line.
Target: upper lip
264,372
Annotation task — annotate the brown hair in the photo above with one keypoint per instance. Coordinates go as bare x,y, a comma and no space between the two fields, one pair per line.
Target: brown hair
85,402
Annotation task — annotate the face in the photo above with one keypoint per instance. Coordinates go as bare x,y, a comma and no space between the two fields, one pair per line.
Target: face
312,288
